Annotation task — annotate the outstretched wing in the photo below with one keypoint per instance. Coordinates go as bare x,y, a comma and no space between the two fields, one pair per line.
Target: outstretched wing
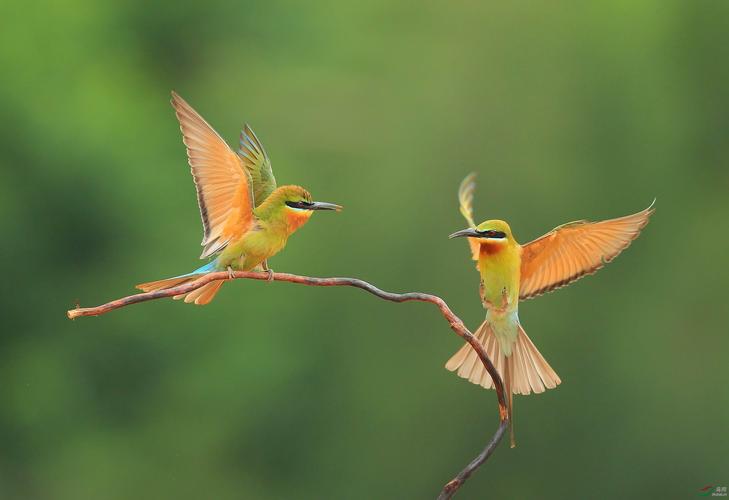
574,250
223,187
465,205
256,162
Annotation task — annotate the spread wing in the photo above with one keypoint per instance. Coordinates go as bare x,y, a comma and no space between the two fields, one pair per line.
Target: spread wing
465,205
256,162
223,187
574,250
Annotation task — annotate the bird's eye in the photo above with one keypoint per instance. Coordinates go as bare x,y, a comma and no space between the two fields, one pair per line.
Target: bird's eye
491,234
302,204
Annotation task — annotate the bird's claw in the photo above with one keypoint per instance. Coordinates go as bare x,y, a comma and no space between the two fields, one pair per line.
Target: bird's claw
267,270
230,273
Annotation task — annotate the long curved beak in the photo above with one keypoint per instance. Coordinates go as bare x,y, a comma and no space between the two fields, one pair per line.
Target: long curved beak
470,232
322,205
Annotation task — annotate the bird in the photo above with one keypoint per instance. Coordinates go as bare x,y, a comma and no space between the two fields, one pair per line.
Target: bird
246,218
511,273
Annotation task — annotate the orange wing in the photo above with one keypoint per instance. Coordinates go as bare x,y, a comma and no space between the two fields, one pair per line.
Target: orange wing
223,187
465,206
475,247
574,250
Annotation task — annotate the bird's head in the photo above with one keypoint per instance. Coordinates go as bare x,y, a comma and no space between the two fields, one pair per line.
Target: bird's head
294,203
298,199
491,231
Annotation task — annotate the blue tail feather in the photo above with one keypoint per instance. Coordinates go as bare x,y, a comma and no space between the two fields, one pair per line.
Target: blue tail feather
207,268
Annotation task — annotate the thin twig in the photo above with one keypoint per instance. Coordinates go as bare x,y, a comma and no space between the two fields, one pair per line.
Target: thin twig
454,321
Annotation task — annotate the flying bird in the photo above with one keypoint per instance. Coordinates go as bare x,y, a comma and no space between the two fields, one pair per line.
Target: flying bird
511,272
246,218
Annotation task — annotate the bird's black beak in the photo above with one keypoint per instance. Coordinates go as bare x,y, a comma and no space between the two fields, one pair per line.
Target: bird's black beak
322,205
470,232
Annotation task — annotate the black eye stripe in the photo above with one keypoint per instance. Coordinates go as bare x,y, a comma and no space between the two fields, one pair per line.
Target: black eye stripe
299,204
493,234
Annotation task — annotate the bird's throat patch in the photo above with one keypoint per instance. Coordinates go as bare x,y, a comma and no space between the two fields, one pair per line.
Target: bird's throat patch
296,218
489,248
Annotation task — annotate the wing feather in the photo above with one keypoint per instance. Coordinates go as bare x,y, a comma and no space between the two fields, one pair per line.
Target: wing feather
465,206
465,197
257,164
576,249
223,187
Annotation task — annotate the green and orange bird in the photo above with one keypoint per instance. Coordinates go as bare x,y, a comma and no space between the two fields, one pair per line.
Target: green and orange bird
511,272
246,218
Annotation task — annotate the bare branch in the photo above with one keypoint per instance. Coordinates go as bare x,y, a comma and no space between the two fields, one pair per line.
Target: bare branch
454,321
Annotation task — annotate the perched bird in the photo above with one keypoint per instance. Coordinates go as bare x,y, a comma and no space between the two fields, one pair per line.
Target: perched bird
246,218
511,272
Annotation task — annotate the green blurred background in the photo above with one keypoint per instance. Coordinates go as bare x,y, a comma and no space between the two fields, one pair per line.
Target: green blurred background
275,391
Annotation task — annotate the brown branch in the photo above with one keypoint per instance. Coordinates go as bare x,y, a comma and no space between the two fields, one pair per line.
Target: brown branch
454,321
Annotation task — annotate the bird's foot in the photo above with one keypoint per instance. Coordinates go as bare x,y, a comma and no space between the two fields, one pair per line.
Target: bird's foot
504,297
230,273
266,269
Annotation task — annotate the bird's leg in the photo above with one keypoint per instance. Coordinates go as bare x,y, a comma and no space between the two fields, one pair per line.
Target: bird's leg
230,273
264,266
504,298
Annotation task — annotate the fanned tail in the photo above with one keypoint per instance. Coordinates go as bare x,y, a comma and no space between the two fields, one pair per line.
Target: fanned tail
524,371
153,286
200,296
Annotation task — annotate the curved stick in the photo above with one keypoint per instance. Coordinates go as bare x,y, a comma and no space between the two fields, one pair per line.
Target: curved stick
454,321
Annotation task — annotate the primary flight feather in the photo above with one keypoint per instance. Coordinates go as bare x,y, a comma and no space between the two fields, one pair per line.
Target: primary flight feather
246,217
511,272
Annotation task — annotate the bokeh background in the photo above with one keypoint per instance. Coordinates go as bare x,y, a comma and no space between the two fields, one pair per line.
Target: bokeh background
565,110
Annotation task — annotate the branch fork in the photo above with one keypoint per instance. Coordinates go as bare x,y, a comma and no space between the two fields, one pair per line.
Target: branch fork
454,322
